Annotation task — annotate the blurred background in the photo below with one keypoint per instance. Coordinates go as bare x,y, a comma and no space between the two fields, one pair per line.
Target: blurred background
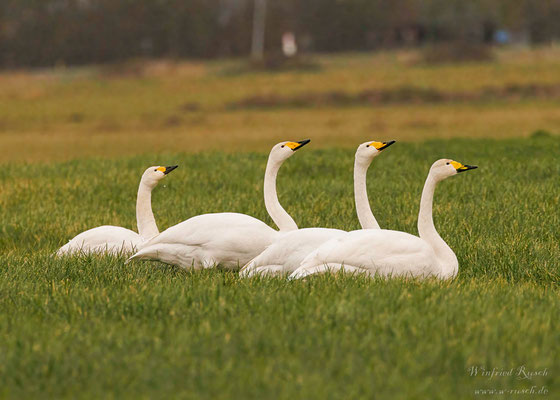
108,77
38,33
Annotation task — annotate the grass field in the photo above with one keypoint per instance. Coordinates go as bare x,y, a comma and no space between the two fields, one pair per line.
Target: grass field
91,327
163,106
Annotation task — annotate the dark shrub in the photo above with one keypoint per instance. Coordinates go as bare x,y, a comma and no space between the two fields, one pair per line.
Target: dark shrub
456,52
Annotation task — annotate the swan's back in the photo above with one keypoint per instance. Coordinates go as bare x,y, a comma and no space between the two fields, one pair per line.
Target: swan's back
106,239
377,251
228,239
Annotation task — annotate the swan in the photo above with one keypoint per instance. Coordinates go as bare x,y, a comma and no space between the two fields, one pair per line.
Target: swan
288,251
225,239
115,239
392,253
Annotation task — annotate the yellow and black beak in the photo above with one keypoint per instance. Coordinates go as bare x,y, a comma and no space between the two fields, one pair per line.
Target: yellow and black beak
169,169
297,145
381,145
462,167
466,168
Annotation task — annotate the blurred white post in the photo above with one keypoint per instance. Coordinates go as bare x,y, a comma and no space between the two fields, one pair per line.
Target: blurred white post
259,19
289,45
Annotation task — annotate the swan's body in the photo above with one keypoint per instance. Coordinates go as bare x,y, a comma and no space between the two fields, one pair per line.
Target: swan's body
373,251
392,253
115,239
204,241
289,250
226,239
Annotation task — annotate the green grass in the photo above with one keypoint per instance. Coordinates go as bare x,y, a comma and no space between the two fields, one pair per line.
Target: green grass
92,327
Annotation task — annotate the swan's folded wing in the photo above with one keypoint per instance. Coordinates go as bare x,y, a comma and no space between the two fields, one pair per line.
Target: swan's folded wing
378,250
323,251
287,252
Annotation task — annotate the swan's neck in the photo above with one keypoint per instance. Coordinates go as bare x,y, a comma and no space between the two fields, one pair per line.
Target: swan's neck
147,227
426,229
363,209
280,217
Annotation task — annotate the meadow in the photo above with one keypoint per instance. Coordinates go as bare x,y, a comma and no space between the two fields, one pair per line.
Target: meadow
164,106
75,143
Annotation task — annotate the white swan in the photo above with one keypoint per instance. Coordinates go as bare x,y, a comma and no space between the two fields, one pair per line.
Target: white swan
114,239
288,251
392,253
226,239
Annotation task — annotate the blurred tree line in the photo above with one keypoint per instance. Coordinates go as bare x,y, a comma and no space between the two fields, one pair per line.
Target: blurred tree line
50,32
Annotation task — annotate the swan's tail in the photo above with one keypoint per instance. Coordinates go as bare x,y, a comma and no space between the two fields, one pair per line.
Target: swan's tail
248,270
171,254
304,271
64,250
146,254
265,270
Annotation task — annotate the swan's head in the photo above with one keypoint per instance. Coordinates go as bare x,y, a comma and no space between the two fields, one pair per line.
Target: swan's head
285,150
154,174
368,150
445,168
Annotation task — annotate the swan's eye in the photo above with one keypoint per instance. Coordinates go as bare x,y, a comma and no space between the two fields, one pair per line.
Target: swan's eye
155,170
367,145
446,163
282,146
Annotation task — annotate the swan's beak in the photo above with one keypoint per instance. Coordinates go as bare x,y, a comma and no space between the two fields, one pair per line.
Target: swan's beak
462,167
382,145
169,169
466,168
297,145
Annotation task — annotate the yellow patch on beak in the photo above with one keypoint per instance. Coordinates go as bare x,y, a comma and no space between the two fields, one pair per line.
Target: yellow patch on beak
381,145
161,169
461,167
292,145
457,165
